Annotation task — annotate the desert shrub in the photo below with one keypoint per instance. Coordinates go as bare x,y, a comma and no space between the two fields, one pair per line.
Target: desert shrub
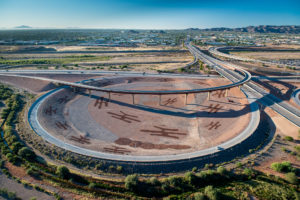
131,182
153,181
11,139
211,193
190,178
32,172
248,172
175,181
288,138
291,178
208,166
119,169
78,179
12,158
92,186
284,149
182,69
7,195
123,66
271,190
209,177
221,170
111,168
16,146
297,195
199,196
100,166
282,167
239,164
2,163
297,148
11,195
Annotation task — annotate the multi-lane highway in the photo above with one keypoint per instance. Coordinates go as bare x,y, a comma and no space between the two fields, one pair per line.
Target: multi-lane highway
228,71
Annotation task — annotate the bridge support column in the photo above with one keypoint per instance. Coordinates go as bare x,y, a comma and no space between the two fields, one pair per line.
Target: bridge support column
186,95
132,98
160,99
226,93
90,93
74,89
108,96
208,96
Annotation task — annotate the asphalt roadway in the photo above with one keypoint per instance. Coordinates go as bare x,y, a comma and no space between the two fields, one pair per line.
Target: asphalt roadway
296,96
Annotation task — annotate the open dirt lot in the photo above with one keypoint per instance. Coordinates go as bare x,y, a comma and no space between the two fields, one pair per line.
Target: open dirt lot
21,190
37,86
12,48
141,61
268,55
146,127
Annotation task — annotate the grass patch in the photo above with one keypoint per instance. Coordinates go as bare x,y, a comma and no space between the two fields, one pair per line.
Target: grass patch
63,60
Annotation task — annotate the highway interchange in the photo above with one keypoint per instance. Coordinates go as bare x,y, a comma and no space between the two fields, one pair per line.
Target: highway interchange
253,92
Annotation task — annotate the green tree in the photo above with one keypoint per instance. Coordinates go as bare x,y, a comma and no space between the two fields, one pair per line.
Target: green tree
63,172
131,182
26,153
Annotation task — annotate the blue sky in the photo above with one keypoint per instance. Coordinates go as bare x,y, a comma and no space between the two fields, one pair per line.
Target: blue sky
148,14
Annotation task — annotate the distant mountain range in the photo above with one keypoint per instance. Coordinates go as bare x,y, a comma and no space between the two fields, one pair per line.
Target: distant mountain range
257,29
292,29
23,26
